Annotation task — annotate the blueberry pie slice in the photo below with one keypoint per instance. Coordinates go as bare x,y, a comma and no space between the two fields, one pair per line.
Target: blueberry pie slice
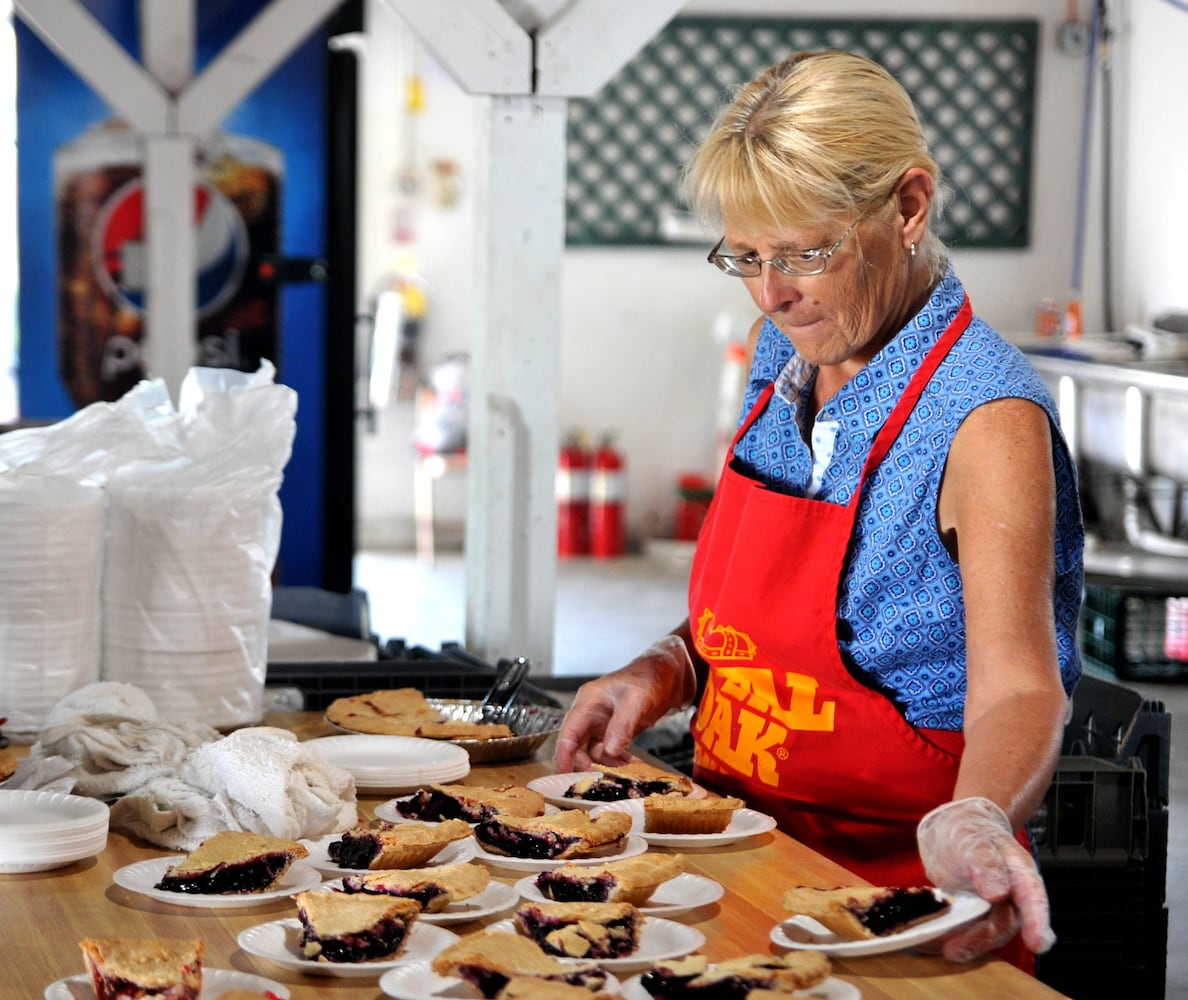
867,911
694,978
522,988
438,802
572,833
341,927
396,845
233,862
632,880
131,968
432,888
581,930
636,780
487,960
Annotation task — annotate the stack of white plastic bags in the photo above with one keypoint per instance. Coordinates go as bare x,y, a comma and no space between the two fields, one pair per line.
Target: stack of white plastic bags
137,543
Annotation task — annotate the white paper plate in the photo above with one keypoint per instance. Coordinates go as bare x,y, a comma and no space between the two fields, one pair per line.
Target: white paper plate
142,876
393,763
280,942
804,932
676,896
633,846
831,989
215,982
319,857
496,898
26,813
658,939
744,823
554,786
419,982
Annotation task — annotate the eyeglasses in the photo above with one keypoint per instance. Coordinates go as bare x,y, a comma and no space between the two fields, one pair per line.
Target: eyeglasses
794,263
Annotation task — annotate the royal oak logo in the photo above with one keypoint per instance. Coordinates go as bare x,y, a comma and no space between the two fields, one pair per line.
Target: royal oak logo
722,642
744,720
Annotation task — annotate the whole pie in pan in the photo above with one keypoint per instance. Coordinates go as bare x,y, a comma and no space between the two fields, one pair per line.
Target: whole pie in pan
432,888
405,712
581,930
233,861
144,967
341,927
862,912
693,977
571,833
395,845
631,880
488,959
438,802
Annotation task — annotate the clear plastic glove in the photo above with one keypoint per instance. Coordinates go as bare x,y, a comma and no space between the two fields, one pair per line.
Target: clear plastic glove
608,712
968,845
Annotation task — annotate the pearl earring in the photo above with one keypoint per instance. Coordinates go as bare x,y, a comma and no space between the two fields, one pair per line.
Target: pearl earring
913,249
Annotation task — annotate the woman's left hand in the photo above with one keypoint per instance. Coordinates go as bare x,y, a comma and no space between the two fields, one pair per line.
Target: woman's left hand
968,845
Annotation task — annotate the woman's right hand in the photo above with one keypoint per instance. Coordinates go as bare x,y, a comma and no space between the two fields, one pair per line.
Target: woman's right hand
609,711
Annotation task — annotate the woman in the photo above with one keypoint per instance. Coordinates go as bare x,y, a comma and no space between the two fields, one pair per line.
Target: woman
883,602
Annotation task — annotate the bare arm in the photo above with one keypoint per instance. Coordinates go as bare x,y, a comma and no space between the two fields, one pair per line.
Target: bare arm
997,512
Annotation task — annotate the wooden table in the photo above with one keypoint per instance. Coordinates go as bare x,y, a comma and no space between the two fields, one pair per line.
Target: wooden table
46,914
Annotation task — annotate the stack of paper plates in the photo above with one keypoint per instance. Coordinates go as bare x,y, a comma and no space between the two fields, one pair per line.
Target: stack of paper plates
42,830
393,763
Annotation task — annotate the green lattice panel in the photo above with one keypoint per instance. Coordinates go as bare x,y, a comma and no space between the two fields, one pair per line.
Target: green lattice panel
973,82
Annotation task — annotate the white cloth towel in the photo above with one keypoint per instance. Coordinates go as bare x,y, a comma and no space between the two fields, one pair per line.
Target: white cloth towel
178,783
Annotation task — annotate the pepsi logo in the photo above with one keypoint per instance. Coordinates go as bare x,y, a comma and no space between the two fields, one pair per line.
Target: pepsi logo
221,247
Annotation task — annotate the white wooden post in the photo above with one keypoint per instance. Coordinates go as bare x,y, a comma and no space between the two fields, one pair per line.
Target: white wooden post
525,72
511,512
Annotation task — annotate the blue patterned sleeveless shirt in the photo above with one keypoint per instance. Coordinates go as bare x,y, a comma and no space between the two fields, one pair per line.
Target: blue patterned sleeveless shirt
901,613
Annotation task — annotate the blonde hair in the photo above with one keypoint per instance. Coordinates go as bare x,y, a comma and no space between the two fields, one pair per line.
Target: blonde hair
817,137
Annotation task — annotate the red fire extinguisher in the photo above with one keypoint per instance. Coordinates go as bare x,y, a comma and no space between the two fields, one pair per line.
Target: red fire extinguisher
607,489
573,497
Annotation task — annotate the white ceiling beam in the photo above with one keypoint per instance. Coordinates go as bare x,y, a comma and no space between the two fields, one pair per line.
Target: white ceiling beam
478,41
167,45
591,40
254,53
85,45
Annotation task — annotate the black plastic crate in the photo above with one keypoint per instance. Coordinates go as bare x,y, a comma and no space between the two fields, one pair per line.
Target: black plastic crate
1101,837
1124,632
1095,811
1111,933
1116,723
450,673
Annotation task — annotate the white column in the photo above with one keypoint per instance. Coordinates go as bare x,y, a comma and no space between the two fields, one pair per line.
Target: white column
511,514
170,323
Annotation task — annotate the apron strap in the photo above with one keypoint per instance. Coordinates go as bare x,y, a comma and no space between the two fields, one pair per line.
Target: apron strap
911,395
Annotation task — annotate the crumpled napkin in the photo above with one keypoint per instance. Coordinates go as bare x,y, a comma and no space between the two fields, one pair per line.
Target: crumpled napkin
260,779
178,783
112,735
48,774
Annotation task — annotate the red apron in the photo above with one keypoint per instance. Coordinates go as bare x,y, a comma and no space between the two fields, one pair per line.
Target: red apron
783,723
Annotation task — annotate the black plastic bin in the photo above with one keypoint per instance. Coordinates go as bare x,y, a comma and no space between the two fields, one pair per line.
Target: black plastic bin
1101,837
449,673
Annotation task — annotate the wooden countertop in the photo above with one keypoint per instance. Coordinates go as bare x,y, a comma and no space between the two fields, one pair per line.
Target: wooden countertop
46,914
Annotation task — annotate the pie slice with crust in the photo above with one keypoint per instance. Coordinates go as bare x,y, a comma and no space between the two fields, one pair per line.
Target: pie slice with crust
130,968
571,833
344,927
432,888
867,911
233,861
395,845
